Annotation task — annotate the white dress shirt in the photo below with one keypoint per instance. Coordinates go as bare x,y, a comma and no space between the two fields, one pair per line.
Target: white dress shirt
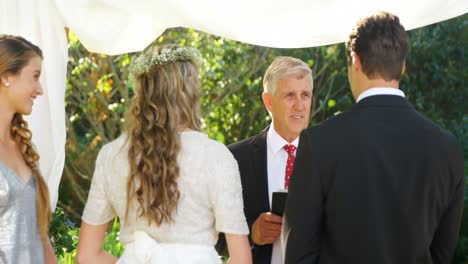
380,91
276,163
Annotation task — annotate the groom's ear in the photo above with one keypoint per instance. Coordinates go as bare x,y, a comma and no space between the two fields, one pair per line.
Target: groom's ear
355,61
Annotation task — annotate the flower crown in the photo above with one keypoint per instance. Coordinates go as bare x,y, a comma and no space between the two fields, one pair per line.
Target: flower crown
146,61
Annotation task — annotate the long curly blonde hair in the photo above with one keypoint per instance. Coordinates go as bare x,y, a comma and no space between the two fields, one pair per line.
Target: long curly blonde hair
15,53
165,103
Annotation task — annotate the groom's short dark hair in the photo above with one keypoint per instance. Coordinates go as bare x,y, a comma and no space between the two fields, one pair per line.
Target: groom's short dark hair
381,43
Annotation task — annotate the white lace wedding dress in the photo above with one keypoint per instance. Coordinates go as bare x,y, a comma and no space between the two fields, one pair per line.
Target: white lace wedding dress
210,202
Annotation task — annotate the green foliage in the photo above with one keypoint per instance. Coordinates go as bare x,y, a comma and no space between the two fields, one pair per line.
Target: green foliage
436,74
111,241
98,93
64,235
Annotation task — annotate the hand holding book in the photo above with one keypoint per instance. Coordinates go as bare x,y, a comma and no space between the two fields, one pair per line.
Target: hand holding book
279,201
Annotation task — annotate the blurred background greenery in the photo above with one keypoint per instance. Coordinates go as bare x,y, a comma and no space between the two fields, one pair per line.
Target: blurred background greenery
98,93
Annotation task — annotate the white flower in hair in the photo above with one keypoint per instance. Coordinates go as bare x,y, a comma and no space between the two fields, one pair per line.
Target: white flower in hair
148,61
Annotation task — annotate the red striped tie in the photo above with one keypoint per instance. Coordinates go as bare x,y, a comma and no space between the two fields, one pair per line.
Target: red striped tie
289,163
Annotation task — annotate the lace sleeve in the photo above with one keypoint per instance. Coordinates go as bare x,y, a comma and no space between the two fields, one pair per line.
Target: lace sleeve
226,193
98,209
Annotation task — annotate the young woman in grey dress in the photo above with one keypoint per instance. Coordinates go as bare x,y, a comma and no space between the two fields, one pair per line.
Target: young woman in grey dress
171,186
24,198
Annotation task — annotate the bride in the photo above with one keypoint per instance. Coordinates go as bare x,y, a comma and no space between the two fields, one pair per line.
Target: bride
172,187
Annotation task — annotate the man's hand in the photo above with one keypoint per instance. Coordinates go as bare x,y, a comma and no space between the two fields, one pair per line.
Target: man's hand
266,229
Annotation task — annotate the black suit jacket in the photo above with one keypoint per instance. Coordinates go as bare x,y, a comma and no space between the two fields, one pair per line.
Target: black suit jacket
251,155
379,184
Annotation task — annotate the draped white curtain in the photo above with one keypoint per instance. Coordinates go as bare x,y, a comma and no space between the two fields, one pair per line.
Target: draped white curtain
120,26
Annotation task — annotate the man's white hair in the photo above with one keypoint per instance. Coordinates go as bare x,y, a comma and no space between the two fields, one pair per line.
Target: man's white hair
284,67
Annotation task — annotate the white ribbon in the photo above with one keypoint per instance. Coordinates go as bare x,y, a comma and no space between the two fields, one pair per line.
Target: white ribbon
146,250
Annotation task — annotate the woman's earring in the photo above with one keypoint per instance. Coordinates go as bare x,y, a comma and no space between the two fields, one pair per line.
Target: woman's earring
7,84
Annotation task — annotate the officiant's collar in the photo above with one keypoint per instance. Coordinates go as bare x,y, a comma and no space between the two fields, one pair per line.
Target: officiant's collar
275,142
380,91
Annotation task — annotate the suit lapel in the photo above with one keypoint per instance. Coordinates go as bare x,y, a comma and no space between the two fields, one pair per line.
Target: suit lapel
260,168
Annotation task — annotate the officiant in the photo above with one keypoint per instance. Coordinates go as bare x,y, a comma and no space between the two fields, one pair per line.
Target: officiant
266,160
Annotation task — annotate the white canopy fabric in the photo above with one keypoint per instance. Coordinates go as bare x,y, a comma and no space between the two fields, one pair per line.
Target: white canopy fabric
120,26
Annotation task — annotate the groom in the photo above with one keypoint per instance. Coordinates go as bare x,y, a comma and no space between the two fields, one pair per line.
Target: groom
380,183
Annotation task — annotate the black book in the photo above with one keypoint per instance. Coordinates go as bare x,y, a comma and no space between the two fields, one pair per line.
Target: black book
279,202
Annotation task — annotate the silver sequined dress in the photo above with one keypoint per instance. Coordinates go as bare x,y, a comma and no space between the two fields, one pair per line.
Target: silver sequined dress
20,242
